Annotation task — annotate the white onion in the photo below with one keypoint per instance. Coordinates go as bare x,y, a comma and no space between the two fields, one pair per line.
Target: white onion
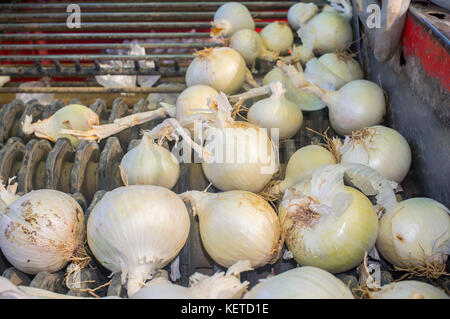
250,45
235,226
221,68
328,225
231,17
301,13
150,164
307,101
277,112
137,230
278,37
381,148
217,286
301,165
41,231
408,289
301,283
416,234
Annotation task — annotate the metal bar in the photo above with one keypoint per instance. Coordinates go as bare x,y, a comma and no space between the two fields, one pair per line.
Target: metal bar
102,36
127,16
154,6
94,56
116,26
89,90
101,46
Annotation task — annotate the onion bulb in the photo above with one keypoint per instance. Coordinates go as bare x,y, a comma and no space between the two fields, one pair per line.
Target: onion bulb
301,283
277,112
408,289
150,164
327,32
221,68
381,148
415,236
327,224
237,225
249,44
41,231
333,70
305,100
301,165
137,230
277,37
218,286
231,17
301,13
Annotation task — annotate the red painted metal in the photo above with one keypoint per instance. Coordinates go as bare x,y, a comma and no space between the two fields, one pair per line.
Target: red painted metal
418,41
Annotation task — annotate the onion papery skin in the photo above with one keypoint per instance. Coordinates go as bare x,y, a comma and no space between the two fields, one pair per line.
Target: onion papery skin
278,37
331,33
254,171
237,225
415,234
230,18
301,283
221,68
137,230
335,244
302,164
277,112
347,68
305,100
42,231
409,289
250,45
301,13
150,164
381,148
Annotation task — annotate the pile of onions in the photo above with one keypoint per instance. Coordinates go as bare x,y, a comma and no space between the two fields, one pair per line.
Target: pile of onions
218,286
408,289
381,148
222,68
329,31
41,231
278,112
333,70
415,236
277,37
330,225
150,164
300,13
356,105
229,18
250,45
301,165
301,283
237,225
137,230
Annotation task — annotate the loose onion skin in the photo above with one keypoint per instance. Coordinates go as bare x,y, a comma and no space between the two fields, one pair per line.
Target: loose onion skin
301,13
237,225
415,234
301,283
277,37
137,230
230,18
221,68
42,231
409,289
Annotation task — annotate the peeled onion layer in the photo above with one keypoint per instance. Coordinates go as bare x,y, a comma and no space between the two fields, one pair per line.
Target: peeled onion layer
415,235
329,225
409,289
230,18
381,148
150,164
301,283
137,230
221,68
237,225
277,37
42,231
